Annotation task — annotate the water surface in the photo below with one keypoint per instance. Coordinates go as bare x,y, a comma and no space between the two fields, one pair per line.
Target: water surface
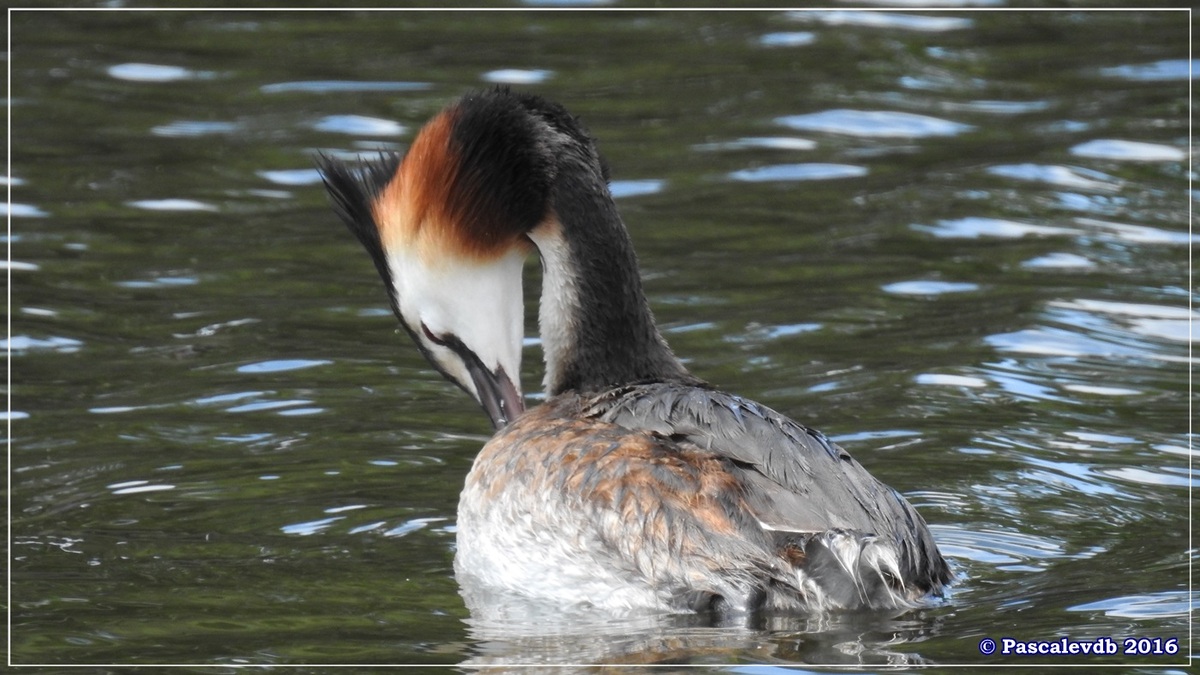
955,242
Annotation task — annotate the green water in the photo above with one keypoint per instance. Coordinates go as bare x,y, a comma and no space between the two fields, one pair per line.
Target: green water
222,451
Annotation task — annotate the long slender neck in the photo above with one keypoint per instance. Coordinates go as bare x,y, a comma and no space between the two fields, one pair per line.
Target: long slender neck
597,329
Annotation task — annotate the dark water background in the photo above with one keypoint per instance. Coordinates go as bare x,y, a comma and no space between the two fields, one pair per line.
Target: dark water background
956,242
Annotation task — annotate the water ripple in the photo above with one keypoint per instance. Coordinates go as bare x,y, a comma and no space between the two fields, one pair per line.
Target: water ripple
1060,261
1158,322
20,343
149,72
1135,234
25,211
292,176
998,107
889,20
951,380
1016,380
159,282
874,124
1167,477
635,188
411,526
359,125
1005,550
1097,329
517,76
793,39
311,527
1129,151
791,172
137,486
1101,390
279,365
1144,606
339,86
172,205
1067,476
1044,341
926,287
1130,309
193,128
974,227
763,142
267,405
229,398
1172,69
1062,176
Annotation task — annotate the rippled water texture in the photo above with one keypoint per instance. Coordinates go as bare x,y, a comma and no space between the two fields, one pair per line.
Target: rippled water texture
957,242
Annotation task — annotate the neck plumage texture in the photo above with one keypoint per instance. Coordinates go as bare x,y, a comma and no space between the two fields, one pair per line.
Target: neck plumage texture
597,329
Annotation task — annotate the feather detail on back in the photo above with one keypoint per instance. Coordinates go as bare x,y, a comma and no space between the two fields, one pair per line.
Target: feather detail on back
853,530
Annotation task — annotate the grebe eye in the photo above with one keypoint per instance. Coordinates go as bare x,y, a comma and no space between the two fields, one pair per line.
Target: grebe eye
431,337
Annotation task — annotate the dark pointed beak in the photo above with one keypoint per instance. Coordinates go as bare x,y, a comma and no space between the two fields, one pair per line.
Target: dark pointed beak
501,398
499,395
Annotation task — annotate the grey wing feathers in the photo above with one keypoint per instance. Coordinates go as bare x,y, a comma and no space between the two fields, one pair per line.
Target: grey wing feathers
796,479
790,462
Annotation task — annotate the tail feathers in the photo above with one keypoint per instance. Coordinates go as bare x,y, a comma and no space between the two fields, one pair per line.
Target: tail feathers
849,570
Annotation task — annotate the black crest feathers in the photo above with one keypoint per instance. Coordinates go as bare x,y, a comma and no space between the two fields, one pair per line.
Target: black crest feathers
353,192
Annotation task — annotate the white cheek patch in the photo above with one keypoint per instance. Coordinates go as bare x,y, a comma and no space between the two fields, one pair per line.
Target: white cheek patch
478,302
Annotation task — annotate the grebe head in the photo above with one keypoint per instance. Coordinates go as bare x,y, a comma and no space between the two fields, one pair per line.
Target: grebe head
446,228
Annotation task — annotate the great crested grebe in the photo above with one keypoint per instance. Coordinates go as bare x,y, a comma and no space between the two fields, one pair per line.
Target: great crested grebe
635,485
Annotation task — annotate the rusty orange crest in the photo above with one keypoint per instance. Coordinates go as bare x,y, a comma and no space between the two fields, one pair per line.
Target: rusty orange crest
440,203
